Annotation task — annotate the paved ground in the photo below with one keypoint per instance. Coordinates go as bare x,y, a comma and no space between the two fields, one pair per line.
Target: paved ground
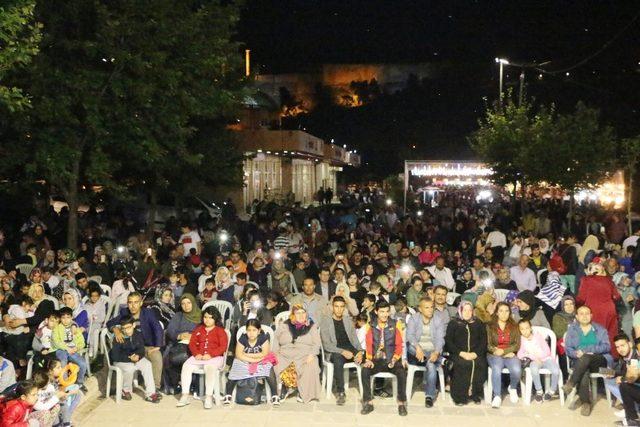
99,412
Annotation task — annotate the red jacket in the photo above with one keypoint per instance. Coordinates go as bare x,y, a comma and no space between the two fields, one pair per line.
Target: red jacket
213,343
15,413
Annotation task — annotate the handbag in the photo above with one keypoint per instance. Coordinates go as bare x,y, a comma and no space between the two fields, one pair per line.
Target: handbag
249,391
289,376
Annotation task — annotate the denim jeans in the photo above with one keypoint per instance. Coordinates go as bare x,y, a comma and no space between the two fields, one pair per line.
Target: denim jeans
611,385
496,363
552,366
431,376
76,359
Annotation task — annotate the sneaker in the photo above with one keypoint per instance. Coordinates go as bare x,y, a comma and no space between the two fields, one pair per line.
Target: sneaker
402,410
154,398
367,408
539,397
341,398
208,402
476,399
126,395
184,401
550,396
226,400
585,411
428,402
275,400
299,399
496,402
513,395
620,413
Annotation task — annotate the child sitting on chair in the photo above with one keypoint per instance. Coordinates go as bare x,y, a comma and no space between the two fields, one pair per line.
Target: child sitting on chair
129,357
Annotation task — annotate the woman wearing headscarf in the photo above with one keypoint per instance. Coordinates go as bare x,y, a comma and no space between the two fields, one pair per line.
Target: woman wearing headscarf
178,335
280,279
72,299
297,345
528,310
224,285
629,295
466,342
504,281
598,292
342,290
588,251
163,305
315,238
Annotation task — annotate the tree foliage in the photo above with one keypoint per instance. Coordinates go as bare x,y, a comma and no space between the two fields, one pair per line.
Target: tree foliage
571,150
19,39
118,90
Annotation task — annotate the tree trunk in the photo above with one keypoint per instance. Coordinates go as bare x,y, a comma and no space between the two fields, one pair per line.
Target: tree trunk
571,201
71,195
153,208
630,199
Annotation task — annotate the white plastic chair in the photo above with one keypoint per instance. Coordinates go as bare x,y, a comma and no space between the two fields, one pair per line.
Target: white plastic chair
106,290
225,308
488,385
411,372
218,379
594,380
106,340
280,318
24,269
96,278
528,377
394,381
327,374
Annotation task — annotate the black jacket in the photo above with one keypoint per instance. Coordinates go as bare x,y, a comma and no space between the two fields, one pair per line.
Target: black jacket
332,288
131,345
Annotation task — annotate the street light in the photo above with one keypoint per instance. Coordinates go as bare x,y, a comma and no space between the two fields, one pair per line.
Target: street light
502,63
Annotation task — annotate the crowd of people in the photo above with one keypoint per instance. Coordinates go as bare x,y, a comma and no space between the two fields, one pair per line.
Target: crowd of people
278,306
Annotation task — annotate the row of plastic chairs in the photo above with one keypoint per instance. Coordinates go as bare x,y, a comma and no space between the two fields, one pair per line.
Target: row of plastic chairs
106,342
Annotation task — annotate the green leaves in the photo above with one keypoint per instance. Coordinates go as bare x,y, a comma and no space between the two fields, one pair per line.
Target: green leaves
19,39
571,151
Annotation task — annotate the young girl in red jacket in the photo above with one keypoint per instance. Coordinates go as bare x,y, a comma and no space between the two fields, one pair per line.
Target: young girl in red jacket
15,413
208,345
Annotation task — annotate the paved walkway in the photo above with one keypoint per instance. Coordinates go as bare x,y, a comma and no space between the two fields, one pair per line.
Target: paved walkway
100,412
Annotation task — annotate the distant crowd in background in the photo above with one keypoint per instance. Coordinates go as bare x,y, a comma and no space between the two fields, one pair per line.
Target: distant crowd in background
533,302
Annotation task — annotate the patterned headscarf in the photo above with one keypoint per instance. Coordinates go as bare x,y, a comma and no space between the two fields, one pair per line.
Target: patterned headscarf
461,307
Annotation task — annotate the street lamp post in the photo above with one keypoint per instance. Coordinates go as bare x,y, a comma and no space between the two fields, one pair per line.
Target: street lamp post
502,63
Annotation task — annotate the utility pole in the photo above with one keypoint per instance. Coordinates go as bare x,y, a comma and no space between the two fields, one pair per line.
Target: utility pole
521,94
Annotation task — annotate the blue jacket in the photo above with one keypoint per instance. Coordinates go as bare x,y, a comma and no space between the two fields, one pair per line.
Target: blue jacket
152,332
414,331
572,342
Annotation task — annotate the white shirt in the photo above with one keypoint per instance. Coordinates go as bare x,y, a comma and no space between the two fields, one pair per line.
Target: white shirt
525,279
444,276
497,239
190,240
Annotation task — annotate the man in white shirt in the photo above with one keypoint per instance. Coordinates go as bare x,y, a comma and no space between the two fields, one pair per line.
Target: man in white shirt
189,239
497,241
524,277
442,274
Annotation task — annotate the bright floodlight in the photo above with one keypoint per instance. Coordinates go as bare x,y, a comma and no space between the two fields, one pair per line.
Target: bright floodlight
224,237
389,202
502,61
419,213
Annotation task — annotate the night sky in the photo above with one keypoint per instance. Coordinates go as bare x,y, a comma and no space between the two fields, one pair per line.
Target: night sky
464,37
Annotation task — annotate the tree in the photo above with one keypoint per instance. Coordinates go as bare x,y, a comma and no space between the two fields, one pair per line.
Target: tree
19,39
117,89
630,156
504,142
